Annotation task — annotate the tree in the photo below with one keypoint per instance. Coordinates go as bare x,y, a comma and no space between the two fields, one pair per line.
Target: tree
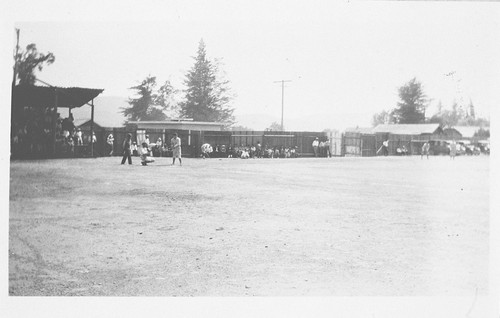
275,127
28,61
482,133
240,128
207,97
384,117
150,103
411,108
457,116
472,111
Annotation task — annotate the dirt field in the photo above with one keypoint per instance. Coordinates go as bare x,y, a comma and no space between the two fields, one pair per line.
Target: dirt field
268,227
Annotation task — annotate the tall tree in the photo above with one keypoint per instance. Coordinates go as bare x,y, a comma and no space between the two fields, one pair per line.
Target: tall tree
207,97
457,116
28,61
149,103
472,111
411,108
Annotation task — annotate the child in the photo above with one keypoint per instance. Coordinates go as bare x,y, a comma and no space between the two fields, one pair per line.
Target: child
145,152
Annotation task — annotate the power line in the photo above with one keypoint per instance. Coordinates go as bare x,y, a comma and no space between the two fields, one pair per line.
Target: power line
282,99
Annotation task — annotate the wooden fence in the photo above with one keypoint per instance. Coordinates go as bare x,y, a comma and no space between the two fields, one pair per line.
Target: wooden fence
346,144
192,140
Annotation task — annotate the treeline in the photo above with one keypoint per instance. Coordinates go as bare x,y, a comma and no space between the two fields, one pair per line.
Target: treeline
411,109
206,97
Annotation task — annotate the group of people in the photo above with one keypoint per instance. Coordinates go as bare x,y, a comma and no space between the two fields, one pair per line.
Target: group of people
31,132
35,130
426,149
70,136
321,147
145,151
246,152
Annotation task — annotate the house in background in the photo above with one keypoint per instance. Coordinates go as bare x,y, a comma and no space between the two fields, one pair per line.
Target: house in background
411,136
468,132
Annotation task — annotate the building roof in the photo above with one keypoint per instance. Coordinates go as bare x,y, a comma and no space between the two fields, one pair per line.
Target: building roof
467,131
407,129
43,96
175,121
83,122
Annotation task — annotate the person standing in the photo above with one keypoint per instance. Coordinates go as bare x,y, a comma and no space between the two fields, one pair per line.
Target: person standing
315,146
126,149
175,143
159,146
79,137
93,141
453,149
386,147
327,148
110,141
322,148
425,150
134,149
259,150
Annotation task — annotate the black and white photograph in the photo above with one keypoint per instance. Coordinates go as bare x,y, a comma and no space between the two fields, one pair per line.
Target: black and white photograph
250,159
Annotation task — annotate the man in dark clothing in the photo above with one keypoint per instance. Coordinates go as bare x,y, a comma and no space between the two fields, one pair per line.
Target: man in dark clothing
126,149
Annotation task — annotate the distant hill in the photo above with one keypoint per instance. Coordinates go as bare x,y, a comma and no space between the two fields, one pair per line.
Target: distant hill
107,111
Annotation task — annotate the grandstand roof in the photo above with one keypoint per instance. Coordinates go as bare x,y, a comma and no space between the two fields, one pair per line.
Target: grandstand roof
43,96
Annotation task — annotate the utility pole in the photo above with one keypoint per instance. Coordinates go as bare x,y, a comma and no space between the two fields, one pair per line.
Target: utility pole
15,59
282,99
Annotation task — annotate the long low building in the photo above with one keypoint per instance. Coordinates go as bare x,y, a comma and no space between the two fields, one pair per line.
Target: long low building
408,137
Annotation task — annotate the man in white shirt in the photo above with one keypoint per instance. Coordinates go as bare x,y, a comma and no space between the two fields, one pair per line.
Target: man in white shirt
175,143
315,146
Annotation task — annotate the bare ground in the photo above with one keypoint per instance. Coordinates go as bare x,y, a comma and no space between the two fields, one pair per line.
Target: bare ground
268,227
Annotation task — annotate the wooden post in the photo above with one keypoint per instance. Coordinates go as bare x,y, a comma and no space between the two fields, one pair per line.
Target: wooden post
54,124
92,128
361,137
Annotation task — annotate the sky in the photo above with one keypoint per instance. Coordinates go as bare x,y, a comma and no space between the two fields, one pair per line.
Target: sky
344,61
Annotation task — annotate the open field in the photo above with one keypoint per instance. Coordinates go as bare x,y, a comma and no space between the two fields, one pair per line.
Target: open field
390,226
